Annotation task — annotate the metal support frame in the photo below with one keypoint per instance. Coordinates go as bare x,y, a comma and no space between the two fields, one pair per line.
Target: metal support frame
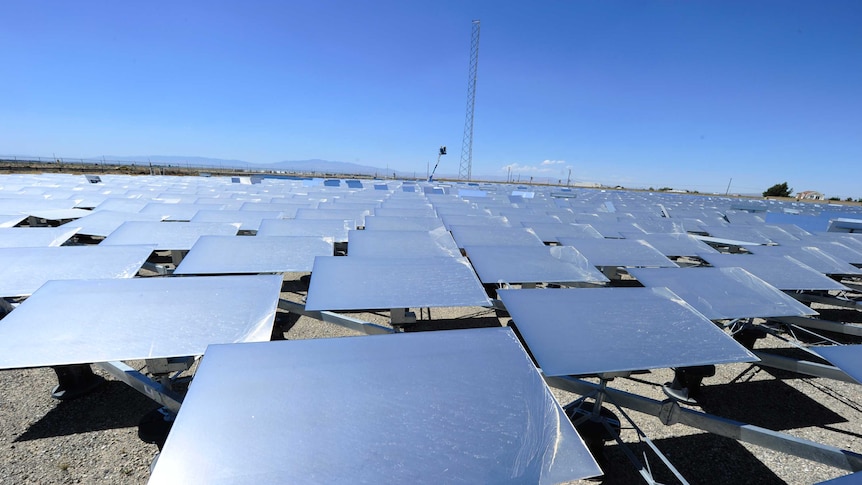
156,268
600,395
34,221
401,316
827,300
143,384
167,365
162,368
802,367
74,380
791,364
670,412
177,256
818,324
497,304
611,272
330,317
853,285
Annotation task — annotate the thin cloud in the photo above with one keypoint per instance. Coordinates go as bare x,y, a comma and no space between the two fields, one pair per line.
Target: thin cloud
545,167
517,167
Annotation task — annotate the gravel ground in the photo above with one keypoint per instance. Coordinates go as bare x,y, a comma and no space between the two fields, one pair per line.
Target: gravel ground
94,439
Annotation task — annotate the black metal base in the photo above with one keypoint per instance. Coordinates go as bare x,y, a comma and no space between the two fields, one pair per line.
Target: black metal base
305,280
340,248
685,387
283,322
155,426
490,290
5,308
748,336
74,381
593,430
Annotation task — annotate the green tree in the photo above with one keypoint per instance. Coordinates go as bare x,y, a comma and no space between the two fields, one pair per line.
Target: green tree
778,190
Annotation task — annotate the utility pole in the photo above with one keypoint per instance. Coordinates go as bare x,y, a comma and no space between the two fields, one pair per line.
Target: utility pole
728,186
466,169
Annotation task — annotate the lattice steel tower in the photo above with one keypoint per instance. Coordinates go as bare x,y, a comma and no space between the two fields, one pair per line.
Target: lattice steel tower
466,170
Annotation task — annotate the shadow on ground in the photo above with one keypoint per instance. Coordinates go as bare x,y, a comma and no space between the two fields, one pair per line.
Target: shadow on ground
452,324
284,321
770,404
701,459
113,405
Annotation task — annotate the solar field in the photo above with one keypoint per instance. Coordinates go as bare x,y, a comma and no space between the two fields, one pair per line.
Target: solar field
160,329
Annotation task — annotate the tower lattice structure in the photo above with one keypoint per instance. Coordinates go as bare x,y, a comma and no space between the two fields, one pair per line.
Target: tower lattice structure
466,168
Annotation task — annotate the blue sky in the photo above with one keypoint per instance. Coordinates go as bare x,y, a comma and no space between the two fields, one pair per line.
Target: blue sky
645,93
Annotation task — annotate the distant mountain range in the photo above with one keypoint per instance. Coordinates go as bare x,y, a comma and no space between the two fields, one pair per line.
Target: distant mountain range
313,166
306,166
175,160
325,166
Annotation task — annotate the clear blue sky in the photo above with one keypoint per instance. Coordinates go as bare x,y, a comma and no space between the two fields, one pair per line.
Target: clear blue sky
685,94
